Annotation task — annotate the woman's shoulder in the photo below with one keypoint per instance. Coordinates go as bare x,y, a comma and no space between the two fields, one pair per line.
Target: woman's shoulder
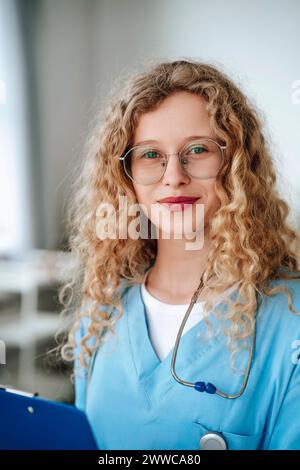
278,332
279,316
278,302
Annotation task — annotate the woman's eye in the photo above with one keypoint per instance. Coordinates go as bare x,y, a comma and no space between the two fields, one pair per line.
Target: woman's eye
151,154
198,149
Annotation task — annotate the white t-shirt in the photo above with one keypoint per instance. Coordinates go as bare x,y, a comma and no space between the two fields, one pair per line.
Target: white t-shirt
165,319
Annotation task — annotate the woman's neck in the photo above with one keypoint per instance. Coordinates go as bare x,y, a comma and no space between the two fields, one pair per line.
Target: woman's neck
176,272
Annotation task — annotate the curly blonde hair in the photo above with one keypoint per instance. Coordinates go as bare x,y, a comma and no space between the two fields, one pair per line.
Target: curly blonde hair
252,240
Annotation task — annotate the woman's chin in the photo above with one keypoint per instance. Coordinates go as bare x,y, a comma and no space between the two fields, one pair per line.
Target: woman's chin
178,233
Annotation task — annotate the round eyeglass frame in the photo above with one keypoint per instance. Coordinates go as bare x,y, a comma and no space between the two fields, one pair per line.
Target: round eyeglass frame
186,145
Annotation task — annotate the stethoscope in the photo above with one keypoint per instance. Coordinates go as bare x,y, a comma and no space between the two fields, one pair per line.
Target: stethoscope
211,440
201,386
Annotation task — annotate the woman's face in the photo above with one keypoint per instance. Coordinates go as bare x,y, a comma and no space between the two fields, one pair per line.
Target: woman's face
177,118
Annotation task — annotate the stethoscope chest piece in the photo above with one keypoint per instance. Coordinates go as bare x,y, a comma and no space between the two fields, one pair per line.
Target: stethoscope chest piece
212,441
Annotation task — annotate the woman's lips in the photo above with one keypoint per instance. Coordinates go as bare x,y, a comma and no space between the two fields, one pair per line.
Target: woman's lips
179,205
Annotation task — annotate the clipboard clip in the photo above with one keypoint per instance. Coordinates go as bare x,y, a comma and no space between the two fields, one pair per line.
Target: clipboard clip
17,391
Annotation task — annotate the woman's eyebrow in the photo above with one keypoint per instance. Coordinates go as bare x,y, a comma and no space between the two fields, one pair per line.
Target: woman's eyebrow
150,141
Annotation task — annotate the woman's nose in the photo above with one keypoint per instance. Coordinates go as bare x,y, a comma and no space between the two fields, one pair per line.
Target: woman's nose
174,173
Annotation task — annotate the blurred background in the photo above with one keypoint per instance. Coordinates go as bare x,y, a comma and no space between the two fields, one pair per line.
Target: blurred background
59,59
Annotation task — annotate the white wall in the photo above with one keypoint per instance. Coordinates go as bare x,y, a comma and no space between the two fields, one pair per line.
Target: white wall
16,215
63,71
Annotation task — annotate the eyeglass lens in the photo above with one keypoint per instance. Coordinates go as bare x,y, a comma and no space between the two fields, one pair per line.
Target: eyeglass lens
146,164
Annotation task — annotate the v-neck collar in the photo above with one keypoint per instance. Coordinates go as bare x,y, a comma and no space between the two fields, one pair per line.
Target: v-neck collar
155,375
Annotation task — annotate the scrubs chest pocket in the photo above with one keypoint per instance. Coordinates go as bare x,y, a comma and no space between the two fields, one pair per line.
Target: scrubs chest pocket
209,439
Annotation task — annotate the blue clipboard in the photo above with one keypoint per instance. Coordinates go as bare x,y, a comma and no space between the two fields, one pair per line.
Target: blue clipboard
32,423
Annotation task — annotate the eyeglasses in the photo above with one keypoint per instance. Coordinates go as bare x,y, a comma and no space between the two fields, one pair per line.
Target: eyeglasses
200,158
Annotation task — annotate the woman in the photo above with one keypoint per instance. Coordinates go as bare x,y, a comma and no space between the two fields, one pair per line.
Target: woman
184,129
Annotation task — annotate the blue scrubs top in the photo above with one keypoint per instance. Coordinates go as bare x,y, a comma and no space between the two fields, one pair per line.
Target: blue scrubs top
133,401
